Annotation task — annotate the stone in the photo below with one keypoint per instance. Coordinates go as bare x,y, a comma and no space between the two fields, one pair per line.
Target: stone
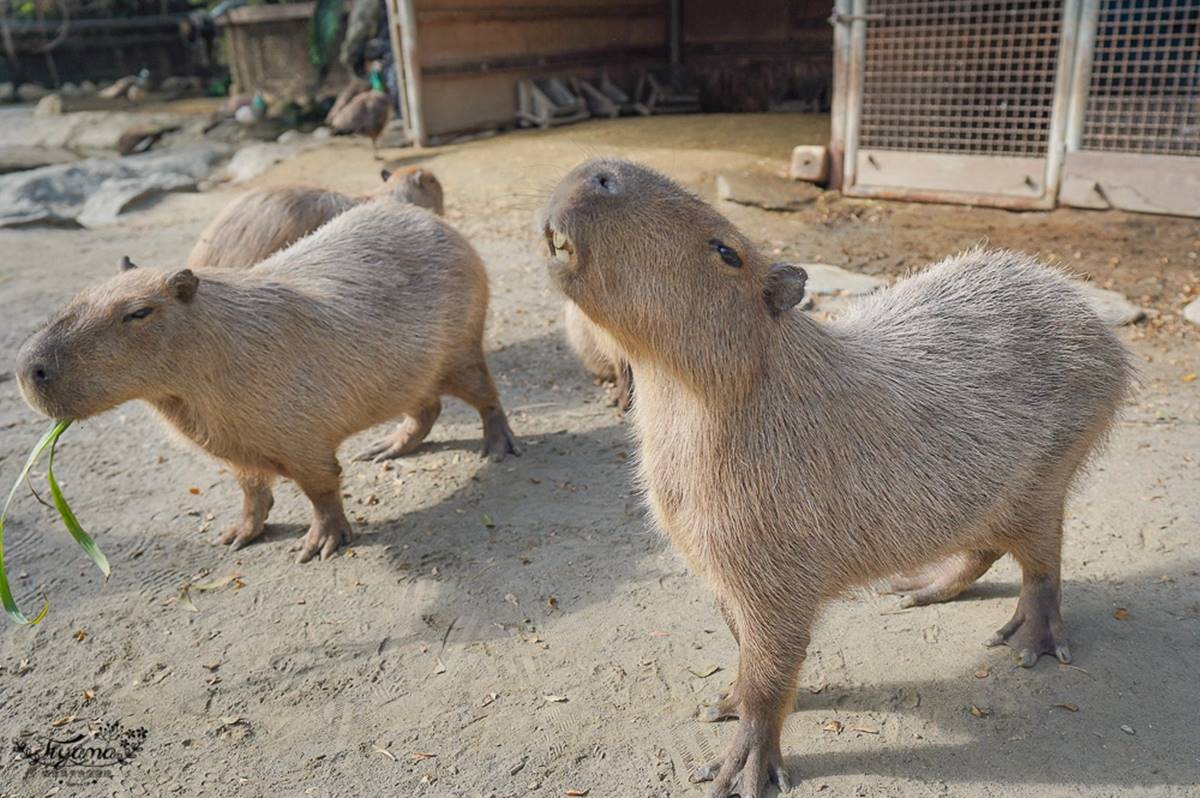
87,87
69,89
50,105
290,137
255,159
19,157
1112,307
810,162
1191,311
95,190
827,280
322,133
767,191
31,92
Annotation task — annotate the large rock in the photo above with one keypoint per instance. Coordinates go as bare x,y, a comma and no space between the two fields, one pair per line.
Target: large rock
1112,307
95,190
255,159
1191,311
19,158
50,105
767,191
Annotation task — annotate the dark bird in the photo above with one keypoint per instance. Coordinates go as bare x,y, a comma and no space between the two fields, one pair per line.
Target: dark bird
365,114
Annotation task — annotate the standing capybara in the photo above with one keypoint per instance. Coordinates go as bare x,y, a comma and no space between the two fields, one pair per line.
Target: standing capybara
599,355
375,315
940,421
263,221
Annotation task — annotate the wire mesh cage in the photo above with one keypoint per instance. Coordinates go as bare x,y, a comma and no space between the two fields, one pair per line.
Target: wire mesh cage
1144,90
960,77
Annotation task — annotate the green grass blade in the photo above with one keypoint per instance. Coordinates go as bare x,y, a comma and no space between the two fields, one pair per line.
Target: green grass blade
72,523
6,596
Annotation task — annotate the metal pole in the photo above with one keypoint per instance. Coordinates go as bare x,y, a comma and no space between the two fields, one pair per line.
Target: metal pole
854,90
412,71
393,20
837,109
1085,46
1058,111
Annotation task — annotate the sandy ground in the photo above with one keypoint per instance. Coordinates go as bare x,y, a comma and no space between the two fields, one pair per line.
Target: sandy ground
518,629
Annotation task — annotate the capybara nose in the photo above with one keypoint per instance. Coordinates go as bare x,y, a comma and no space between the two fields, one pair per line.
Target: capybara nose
38,373
604,182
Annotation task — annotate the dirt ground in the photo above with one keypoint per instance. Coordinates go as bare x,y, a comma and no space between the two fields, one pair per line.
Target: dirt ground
519,629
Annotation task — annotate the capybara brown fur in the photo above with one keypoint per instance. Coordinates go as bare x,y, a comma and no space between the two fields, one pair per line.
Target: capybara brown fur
598,354
263,221
941,421
376,315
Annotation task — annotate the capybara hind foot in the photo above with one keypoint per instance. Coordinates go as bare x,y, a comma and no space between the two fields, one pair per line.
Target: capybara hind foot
498,440
722,706
324,537
407,437
750,764
944,580
1037,626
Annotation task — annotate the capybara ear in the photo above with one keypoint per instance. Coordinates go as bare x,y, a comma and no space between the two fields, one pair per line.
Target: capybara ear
183,285
416,177
784,288
127,264
385,174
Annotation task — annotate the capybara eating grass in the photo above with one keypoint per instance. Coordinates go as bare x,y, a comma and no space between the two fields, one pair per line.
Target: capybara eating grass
263,221
375,315
941,421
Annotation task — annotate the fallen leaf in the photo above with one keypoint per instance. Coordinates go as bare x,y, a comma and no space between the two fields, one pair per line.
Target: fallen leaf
832,726
65,719
552,602
1068,707
488,522
81,635
420,755
194,491
212,666
88,695
1121,614
185,601
980,712
704,673
555,699
385,752
1127,729
576,793
864,730
982,673
1188,377
441,667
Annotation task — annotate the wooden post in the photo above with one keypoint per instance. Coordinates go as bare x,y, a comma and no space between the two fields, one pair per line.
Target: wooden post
393,19
412,71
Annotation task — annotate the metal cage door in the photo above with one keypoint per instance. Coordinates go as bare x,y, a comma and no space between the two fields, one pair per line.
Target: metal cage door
954,100
1133,135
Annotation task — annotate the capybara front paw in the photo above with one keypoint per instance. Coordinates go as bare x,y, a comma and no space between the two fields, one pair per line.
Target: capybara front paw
323,539
498,440
722,706
1033,631
241,534
750,764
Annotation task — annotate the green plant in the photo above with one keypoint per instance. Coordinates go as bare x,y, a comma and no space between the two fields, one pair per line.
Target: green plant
48,441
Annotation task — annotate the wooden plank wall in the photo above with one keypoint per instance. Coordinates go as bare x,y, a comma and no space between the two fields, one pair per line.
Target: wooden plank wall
473,52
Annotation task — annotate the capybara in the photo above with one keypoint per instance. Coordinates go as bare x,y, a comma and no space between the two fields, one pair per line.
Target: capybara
600,357
375,315
940,421
263,221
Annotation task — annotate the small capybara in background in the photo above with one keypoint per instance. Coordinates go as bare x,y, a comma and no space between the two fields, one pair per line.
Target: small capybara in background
940,421
375,315
598,354
263,221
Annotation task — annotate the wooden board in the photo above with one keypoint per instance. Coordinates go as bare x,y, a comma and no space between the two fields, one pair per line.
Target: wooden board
1167,184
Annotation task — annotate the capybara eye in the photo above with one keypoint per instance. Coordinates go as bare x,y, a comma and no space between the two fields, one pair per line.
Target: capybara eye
727,254
140,313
